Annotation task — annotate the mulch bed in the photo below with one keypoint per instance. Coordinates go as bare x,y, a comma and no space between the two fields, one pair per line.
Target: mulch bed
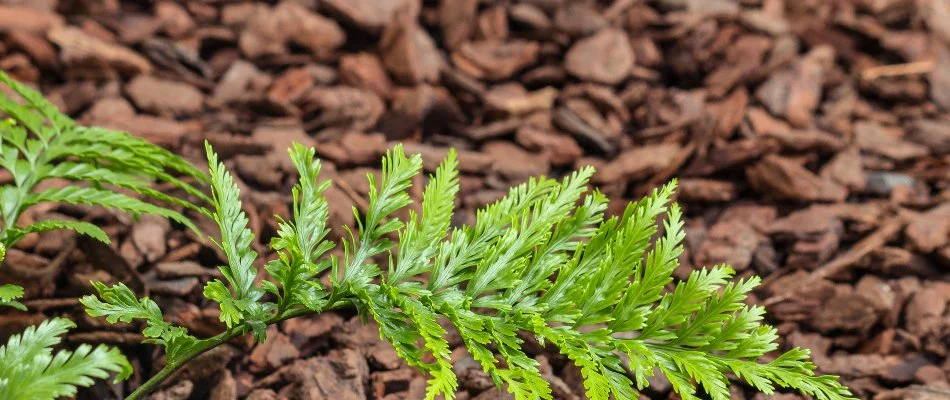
811,139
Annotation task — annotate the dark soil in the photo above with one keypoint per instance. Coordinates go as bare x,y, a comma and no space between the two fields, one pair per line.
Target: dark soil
811,139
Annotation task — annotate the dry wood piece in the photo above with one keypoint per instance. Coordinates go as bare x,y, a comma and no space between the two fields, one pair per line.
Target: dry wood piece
792,139
268,31
707,190
930,230
366,71
743,58
457,20
637,163
933,134
512,99
274,352
557,147
570,122
845,312
116,113
730,155
173,19
785,179
795,93
164,97
370,15
495,59
846,169
605,57
27,19
732,241
882,235
408,51
40,51
89,56
578,19
469,161
876,139
343,106
240,78
513,162
940,80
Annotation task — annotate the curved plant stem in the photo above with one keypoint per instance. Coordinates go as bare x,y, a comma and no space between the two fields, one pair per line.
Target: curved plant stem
207,344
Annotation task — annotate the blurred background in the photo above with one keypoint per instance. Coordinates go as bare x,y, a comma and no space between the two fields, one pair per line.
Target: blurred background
811,140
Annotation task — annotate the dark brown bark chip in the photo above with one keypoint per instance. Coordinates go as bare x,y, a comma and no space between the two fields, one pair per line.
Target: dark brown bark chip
707,190
930,230
164,97
845,312
365,71
343,107
273,352
370,15
782,178
514,163
886,142
118,114
578,19
91,57
457,20
637,163
149,236
605,57
179,391
934,134
495,60
28,19
940,80
796,92
268,30
324,378
408,52
226,388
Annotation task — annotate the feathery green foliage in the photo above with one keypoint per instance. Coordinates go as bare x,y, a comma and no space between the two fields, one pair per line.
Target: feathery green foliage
38,143
301,241
30,369
240,299
107,168
543,260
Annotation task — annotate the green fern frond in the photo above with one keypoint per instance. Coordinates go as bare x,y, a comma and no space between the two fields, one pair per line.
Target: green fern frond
543,260
30,370
104,198
38,142
239,301
438,205
384,199
301,241
80,227
119,304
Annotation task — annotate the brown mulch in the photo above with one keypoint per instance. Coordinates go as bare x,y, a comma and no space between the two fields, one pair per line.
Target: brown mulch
811,139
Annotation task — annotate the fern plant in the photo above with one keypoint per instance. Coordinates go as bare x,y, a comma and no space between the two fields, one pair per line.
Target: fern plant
39,143
544,260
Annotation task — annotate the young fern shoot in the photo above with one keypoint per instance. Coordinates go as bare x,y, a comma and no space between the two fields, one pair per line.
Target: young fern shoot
39,143
543,260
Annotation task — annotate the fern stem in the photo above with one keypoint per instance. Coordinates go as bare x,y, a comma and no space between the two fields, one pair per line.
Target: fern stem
207,344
